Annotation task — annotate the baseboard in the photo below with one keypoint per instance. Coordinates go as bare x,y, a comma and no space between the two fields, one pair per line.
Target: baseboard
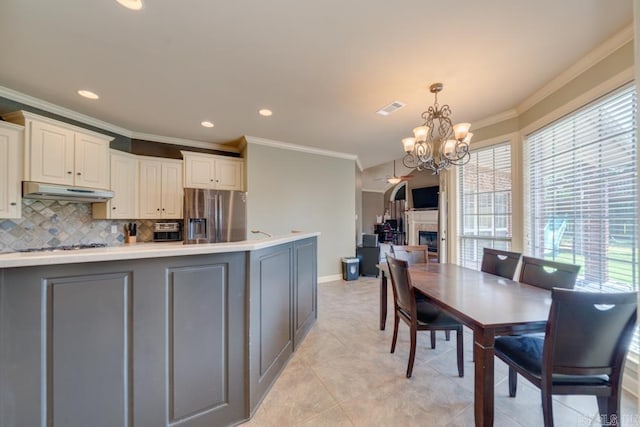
331,278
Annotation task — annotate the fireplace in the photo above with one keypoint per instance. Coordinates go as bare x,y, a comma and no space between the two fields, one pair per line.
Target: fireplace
428,239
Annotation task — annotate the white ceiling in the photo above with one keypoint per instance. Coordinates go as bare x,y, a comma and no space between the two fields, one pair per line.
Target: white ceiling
323,67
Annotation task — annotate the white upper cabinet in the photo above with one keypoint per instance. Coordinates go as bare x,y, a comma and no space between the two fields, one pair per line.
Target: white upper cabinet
58,153
161,189
213,172
11,139
124,184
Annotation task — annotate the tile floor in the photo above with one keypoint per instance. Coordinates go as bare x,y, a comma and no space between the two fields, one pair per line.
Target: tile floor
344,375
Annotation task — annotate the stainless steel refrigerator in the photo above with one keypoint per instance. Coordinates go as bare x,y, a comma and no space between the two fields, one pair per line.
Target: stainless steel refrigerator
212,216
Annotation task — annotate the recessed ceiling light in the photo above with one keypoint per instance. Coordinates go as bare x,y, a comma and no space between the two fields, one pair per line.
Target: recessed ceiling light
207,124
88,94
265,112
131,4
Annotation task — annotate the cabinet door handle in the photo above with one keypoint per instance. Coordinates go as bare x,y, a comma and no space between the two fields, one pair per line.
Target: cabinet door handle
12,203
69,172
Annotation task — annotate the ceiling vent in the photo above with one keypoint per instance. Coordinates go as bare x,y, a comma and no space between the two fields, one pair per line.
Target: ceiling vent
391,108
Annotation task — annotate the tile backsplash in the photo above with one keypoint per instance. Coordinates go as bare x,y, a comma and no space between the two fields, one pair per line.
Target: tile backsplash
50,223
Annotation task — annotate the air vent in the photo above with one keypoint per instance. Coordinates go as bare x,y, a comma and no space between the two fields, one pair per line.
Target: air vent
391,108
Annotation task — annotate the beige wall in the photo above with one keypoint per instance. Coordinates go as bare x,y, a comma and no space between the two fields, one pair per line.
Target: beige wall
293,190
372,206
615,63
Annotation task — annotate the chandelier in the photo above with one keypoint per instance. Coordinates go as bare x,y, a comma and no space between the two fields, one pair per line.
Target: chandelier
437,143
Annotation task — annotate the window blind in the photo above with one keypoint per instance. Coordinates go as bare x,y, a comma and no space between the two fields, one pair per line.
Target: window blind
581,195
484,214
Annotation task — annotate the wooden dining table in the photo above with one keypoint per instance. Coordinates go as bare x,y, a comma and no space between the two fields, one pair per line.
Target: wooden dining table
490,306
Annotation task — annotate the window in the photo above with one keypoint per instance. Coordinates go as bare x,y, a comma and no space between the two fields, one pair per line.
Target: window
581,195
484,189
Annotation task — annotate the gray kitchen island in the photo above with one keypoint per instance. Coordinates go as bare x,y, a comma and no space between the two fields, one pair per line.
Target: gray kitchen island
151,334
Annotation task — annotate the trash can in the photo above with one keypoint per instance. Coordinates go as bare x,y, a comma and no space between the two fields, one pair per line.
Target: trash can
350,268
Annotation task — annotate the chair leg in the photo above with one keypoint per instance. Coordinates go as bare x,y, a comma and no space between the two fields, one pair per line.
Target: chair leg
447,335
433,339
460,346
609,410
412,351
396,321
513,382
547,408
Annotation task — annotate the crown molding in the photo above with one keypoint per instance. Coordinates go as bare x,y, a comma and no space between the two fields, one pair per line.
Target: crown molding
622,78
100,124
61,111
371,190
296,147
497,118
596,55
184,142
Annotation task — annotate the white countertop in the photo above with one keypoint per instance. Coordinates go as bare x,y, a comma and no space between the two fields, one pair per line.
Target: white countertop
141,251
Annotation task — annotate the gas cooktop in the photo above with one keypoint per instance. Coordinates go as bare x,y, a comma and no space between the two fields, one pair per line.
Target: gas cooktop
65,248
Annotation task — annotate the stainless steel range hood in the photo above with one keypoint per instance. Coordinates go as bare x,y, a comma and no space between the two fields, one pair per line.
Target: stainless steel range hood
39,190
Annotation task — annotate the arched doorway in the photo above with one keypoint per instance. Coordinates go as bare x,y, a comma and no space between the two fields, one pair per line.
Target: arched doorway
397,207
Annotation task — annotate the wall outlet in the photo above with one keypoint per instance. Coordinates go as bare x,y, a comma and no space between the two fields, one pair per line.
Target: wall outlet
114,229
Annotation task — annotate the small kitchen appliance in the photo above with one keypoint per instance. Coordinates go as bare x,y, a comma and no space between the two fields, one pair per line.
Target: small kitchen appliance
167,232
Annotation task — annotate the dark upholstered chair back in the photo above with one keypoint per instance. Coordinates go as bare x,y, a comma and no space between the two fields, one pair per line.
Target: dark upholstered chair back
412,254
402,291
588,333
548,274
500,263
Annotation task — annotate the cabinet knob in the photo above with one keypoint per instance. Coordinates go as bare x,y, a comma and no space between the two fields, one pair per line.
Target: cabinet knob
114,208
69,172
158,209
78,174
12,203
162,209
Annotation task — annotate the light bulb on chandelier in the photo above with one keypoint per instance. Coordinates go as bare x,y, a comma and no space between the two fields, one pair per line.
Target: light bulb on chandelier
437,143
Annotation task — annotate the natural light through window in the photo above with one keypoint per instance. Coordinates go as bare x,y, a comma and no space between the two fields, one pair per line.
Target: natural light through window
484,189
581,195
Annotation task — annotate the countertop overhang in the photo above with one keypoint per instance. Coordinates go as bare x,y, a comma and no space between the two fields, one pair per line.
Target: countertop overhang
142,250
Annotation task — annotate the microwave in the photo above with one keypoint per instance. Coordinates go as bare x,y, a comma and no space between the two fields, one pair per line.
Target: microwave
167,232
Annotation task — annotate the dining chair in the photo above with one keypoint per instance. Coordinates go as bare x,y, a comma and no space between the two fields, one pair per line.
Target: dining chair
582,352
416,254
419,315
548,274
413,254
500,263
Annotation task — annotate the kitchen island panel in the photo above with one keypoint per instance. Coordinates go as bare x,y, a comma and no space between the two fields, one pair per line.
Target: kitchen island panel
86,339
306,304
271,317
88,330
198,318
